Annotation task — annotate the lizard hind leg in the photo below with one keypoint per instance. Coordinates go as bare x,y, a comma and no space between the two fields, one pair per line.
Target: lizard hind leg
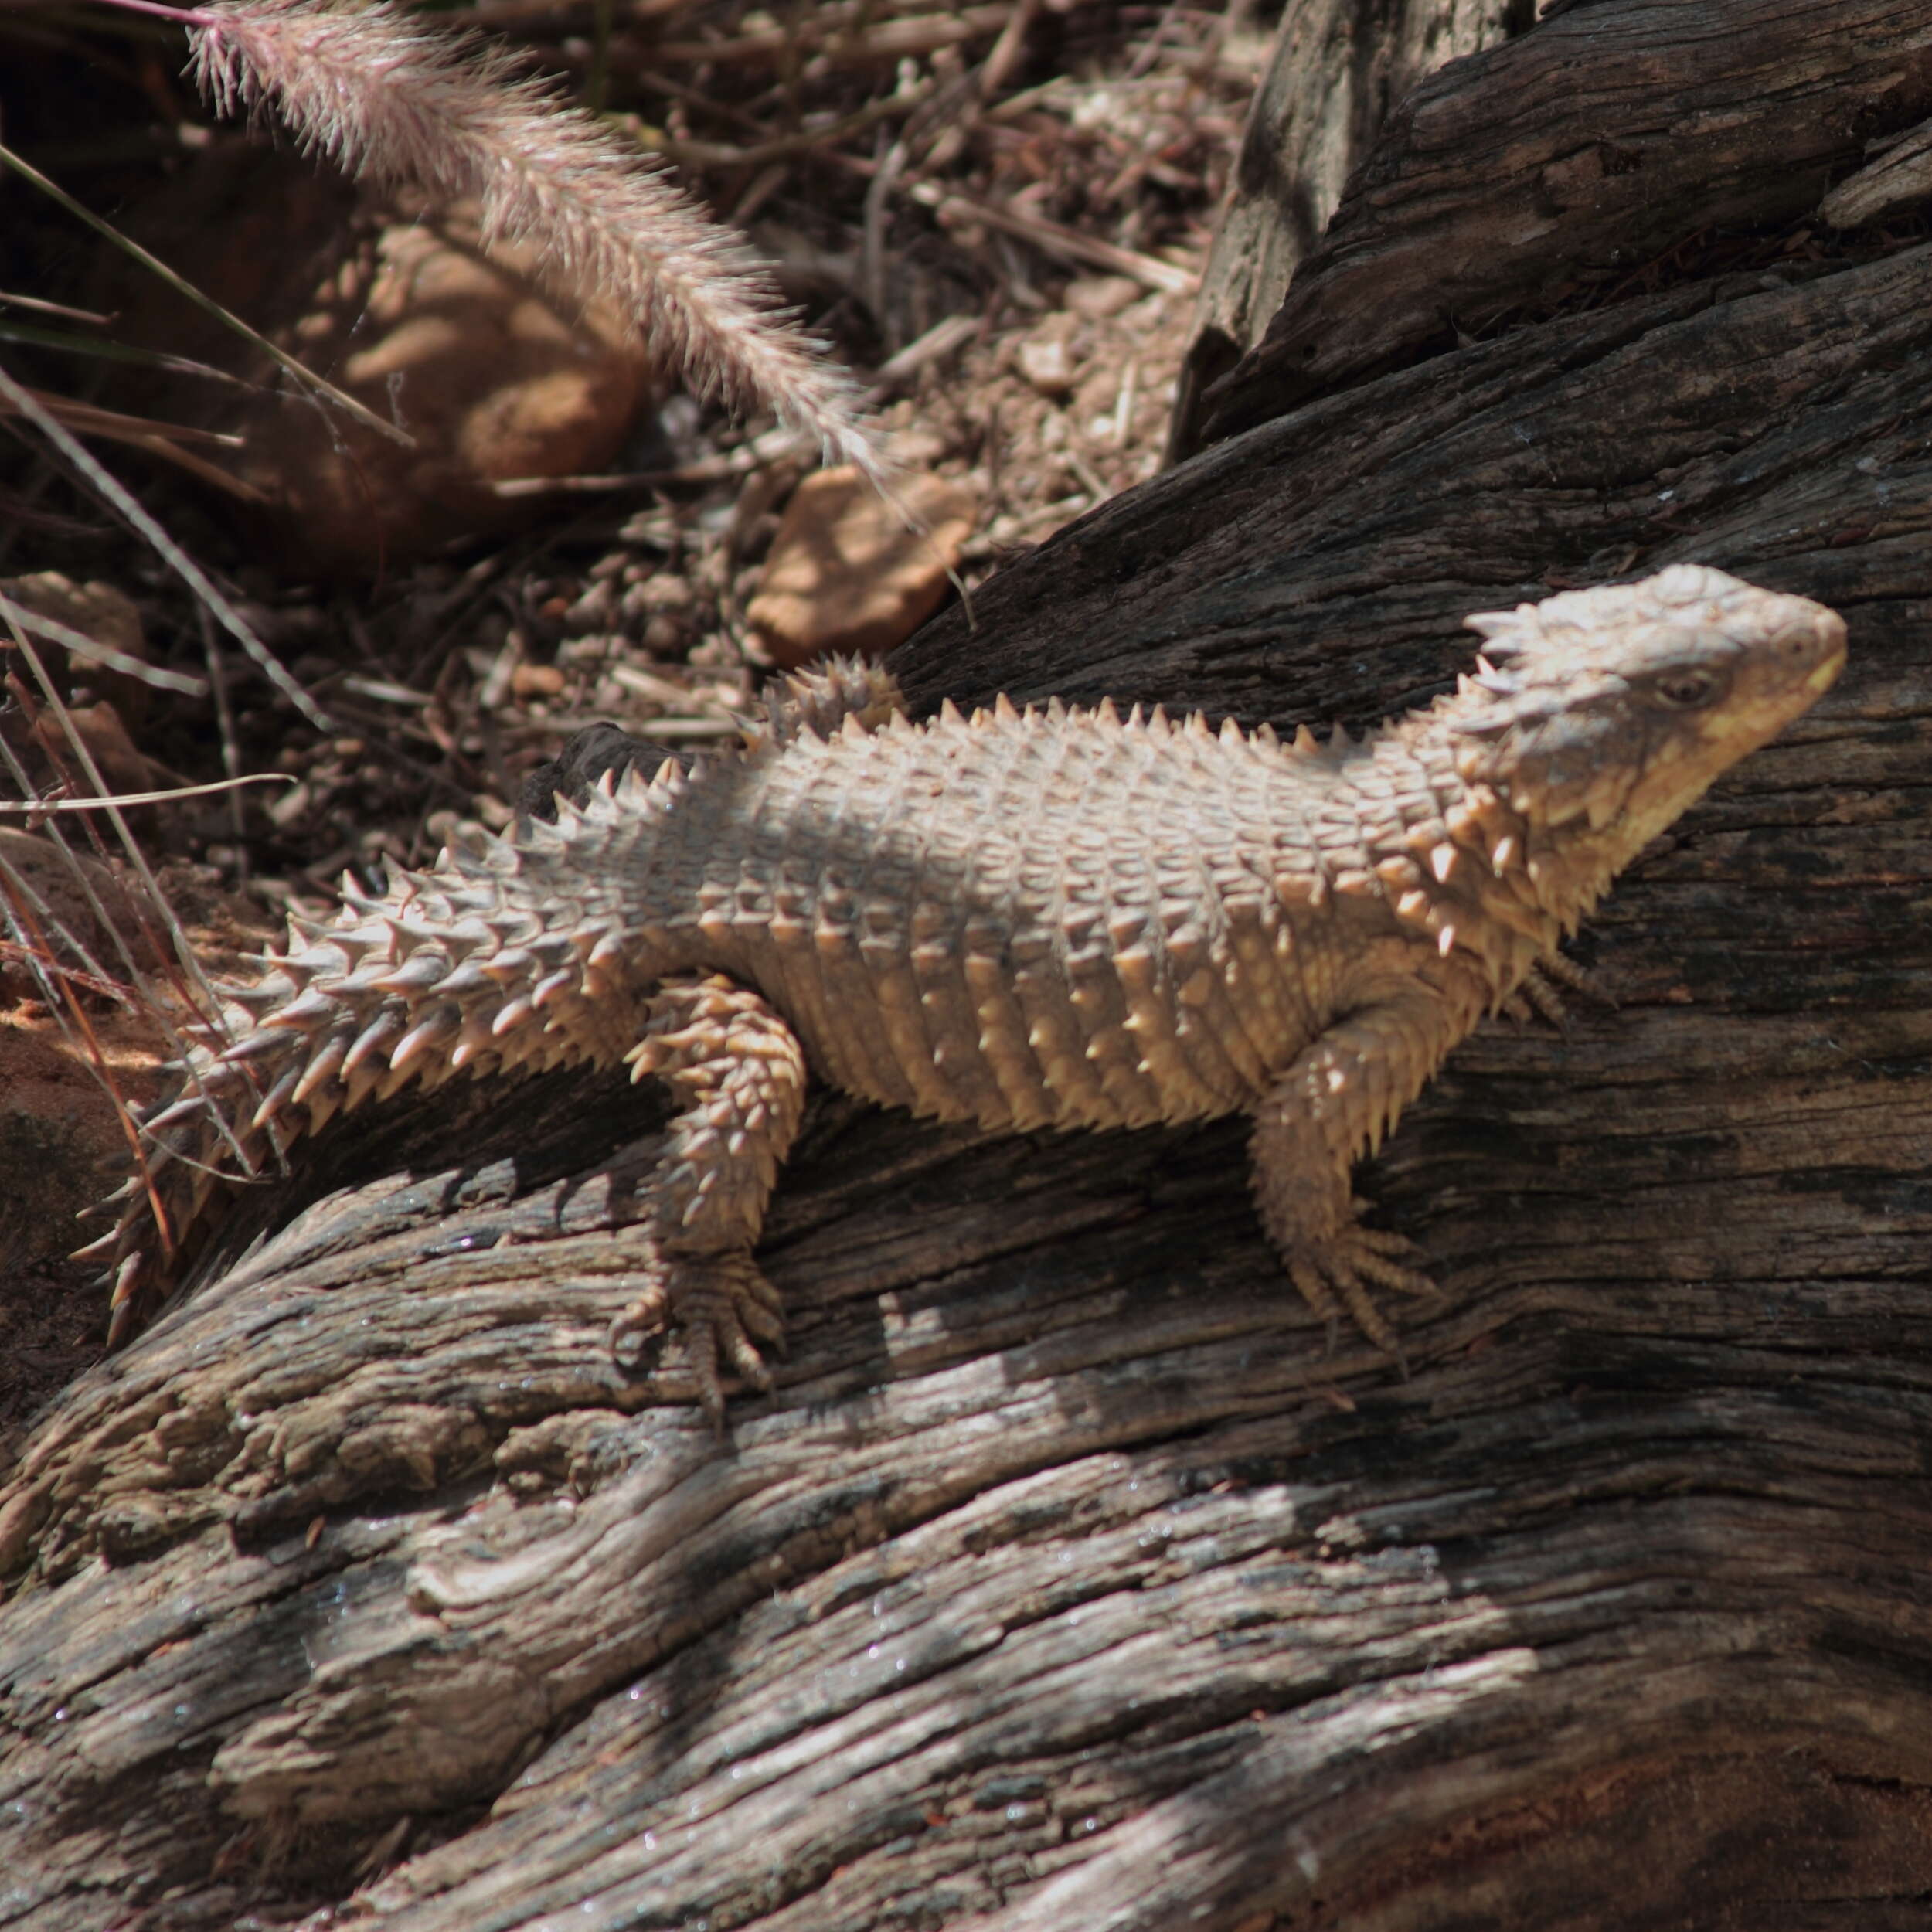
738,1074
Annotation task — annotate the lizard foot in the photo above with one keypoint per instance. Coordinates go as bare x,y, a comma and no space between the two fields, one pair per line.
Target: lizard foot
1342,1269
719,1303
1540,995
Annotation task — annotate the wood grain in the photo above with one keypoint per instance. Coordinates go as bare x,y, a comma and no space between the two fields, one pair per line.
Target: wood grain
1338,69
1575,155
1067,1578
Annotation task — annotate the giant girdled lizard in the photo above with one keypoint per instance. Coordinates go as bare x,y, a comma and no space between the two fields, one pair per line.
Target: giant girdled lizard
1047,918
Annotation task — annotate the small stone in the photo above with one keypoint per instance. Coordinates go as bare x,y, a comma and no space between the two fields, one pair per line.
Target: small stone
536,680
1100,297
845,574
664,635
592,611
96,610
1097,397
99,728
666,591
1047,364
914,448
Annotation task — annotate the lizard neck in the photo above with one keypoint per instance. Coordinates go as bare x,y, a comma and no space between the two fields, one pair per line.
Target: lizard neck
1455,858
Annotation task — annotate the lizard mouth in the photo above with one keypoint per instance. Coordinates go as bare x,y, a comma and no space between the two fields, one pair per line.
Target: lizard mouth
1825,672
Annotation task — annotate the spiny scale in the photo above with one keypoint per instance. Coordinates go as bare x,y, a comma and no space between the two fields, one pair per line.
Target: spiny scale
1053,917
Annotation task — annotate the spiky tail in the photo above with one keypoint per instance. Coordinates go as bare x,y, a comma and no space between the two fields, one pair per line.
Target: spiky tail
496,960
510,955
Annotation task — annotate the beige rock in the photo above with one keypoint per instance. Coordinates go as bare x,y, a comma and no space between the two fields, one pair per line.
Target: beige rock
845,574
1101,298
1047,364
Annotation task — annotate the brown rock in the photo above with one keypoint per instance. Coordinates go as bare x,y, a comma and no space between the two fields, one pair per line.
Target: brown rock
99,729
77,901
58,1128
52,743
96,610
536,680
845,574
58,1120
397,304
492,379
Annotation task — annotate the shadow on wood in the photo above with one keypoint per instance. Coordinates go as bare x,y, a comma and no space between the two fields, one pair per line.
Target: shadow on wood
1066,1578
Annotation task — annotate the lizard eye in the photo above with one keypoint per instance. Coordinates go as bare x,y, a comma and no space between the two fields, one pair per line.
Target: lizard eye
1686,690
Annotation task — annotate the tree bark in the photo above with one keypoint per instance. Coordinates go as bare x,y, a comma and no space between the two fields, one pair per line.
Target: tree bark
1338,68
1570,160
1067,1578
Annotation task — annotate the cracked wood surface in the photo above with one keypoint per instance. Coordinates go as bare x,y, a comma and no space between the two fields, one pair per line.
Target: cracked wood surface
1338,68
1066,1578
1582,153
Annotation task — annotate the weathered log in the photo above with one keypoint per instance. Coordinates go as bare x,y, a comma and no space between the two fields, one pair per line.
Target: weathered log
1608,136
1338,66
1067,1578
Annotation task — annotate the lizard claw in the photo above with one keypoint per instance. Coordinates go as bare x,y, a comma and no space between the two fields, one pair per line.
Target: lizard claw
1540,994
1336,1272
719,1302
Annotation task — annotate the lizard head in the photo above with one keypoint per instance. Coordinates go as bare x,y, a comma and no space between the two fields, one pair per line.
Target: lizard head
1607,713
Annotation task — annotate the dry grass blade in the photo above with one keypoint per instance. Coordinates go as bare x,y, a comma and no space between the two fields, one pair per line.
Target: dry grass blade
16,398
182,287
88,650
20,904
855,33
1056,239
162,439
386,97
105,799
39,808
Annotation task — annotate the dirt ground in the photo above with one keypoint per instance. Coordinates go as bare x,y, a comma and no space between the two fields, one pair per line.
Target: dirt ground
996,215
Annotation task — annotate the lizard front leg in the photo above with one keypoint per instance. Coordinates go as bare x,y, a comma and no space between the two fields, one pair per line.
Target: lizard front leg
738,1073
1335,1102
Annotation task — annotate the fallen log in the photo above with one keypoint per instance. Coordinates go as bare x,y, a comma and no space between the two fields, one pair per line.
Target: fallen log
1067,1578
